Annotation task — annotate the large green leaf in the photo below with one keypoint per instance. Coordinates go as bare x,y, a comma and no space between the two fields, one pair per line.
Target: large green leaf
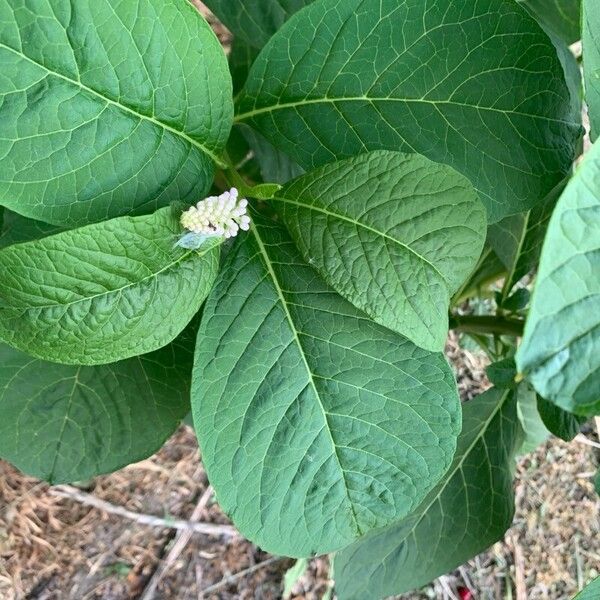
254,21
562,17
476,85
518,239
560,352
466,512
104,292
65,423
396,234
591,61
108,108
315,423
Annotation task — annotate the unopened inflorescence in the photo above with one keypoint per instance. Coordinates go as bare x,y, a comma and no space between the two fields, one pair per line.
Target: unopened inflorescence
218,216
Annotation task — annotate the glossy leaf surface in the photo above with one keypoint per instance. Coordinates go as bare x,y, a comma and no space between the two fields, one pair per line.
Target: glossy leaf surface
466,512
104,292
108,108
474,84
315,423
560,352
395,234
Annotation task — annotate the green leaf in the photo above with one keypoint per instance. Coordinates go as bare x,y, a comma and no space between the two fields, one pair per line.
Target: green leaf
241,58
560,351
559,422
518,239
535,431
315,423
517,301
104,292
539,417
502,373
108,108
275,166
489,269
562,17
265,191
65,423
476,85
15,229
591,62
254,21
395,234
466,512
591,592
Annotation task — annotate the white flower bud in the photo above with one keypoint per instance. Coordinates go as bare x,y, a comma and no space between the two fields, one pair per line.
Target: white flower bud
222,215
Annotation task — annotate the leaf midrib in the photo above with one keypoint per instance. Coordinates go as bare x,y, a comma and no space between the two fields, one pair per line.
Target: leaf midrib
122,107
290,320
342,217
324,100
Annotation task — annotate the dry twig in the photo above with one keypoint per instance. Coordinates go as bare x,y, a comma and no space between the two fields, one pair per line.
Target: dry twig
583,440
519,561
69,492
181,541
237,576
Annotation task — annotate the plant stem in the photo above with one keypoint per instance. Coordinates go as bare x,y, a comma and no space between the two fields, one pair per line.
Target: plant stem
233,178
487,324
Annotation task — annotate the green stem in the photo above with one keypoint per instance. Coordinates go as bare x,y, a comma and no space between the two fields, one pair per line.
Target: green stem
487,324
234,179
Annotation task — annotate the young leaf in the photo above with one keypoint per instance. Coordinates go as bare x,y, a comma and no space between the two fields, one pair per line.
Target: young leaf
591,62
476,85
466,512
535,431
315,423
104,292
254,21
502,373
562,17
395,234
66,423
108,108
559,422
489,269
518,239
560,352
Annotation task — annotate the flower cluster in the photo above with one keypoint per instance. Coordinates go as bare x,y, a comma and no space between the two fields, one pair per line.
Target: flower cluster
218,216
